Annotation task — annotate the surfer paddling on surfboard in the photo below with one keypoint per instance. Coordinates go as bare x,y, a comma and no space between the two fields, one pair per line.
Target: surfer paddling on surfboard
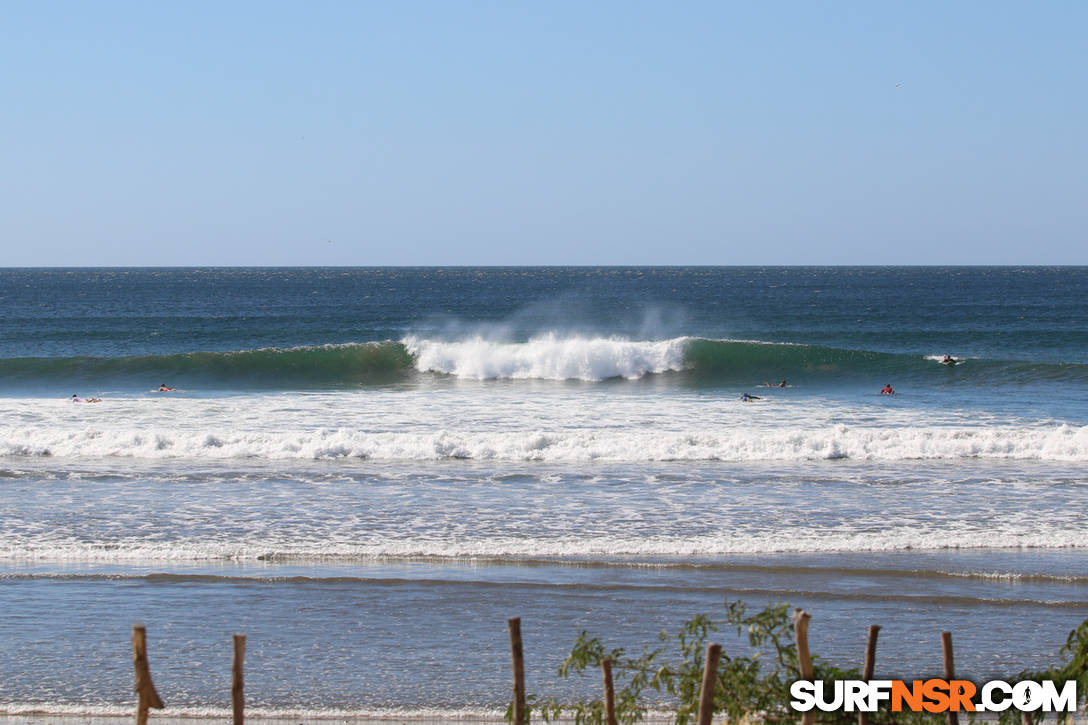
164,388
949,360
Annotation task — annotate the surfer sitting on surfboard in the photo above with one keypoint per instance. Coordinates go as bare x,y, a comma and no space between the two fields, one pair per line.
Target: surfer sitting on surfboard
948,360
887,390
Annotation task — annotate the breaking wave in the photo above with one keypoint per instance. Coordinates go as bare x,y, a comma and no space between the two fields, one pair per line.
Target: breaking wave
550,358
547,357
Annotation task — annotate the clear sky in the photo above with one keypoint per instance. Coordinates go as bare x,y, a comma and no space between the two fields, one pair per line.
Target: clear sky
544,132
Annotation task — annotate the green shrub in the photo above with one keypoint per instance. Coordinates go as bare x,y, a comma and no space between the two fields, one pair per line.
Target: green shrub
752,687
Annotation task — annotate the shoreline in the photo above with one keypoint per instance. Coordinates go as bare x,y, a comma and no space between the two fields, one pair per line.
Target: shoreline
43,715
257,717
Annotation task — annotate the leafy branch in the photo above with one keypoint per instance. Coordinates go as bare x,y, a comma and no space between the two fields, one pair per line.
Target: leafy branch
753,686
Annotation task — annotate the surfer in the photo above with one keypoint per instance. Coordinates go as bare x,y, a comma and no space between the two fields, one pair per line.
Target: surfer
165,389
948,360
772,385
76,399
746,397
887,390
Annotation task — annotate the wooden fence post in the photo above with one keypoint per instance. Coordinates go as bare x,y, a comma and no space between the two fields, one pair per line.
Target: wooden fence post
237,683
804,659
609,692
949,671
710,675
519,670
147,697
870,665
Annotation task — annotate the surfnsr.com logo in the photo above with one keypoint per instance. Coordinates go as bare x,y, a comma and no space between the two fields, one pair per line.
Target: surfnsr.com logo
933,696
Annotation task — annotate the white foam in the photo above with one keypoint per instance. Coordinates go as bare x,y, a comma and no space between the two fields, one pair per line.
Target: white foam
568,547
1045,443
549,357
939,358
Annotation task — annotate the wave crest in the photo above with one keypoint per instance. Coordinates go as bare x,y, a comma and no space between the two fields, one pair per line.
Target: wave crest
549,358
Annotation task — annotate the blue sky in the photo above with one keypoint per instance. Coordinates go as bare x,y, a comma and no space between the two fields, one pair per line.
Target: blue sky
372,133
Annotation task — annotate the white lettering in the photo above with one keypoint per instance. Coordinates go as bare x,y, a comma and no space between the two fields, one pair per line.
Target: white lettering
989,704
821,696
803,693
994,696
855,695
1027,696
879,691
1064,701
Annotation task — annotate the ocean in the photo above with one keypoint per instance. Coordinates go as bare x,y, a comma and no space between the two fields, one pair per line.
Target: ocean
368,470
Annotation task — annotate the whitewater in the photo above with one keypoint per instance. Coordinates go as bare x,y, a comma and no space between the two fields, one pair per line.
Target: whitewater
353,455
1060,443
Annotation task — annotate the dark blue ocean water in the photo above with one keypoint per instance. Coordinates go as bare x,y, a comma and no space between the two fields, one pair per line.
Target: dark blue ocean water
98,326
